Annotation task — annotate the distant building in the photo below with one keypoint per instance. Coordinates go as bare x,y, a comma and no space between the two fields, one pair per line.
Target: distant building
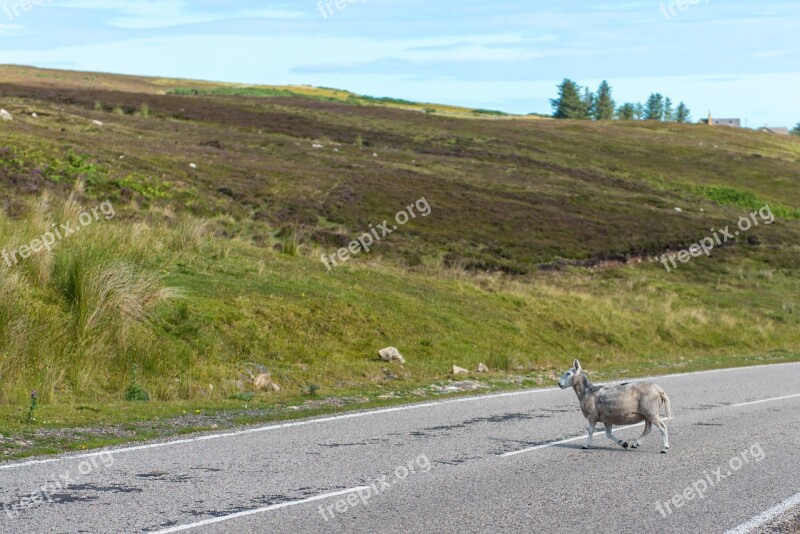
774,130
733,123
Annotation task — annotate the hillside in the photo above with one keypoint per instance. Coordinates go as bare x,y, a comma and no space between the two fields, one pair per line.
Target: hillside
539,246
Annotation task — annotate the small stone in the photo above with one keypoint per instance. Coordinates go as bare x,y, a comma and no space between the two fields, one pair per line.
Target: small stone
482,368
5,115
459,370
97,123
262,381
391,354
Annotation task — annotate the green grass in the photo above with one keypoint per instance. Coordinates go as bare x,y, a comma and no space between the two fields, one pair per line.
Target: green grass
192,311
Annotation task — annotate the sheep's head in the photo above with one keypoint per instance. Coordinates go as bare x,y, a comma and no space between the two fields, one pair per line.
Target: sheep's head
568,377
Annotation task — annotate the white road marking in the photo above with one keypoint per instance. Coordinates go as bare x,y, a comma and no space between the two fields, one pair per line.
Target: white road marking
764,517
763,400
255,430
105,452
576,438
220,519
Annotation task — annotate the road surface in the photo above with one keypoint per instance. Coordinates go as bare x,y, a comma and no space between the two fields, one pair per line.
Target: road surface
500,463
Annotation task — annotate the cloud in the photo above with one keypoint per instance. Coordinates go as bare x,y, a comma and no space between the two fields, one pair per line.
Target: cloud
159,14
11,30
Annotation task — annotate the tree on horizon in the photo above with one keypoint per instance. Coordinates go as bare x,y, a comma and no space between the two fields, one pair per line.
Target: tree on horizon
654,108
669,113
569,104
604,105
588,104
682,114
627,112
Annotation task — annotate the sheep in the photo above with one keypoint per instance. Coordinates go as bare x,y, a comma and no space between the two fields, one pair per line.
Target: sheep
623,404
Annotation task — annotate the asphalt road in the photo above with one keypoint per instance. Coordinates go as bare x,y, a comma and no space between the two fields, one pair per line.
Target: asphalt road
501,463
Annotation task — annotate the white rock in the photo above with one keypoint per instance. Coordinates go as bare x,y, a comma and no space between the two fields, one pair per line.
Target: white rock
193,165
97,122
459,370
262,381
5,115
482,368
317,145
391,354
678,210
374,155
34,115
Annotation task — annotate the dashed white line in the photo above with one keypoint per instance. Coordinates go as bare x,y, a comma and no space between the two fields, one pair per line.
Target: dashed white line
222,518
764,400
576,438
766,516
568,440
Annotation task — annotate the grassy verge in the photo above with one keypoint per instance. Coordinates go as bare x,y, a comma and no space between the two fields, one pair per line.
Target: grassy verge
63,428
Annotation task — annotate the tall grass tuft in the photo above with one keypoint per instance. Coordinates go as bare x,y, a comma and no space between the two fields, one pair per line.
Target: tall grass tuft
291,238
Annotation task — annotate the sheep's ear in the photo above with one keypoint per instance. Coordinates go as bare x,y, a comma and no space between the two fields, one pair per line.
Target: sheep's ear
577,365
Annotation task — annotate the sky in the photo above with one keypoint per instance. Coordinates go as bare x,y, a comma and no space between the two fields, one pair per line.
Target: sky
734,58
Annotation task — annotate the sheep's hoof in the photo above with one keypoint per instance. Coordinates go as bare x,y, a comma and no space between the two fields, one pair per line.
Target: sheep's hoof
664,451
625,445
634,445
585,447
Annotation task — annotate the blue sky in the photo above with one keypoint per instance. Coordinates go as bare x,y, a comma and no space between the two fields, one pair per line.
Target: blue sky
735,58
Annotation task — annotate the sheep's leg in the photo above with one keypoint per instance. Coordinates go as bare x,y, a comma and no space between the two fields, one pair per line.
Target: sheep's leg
612,437
648,427
664,435
591,434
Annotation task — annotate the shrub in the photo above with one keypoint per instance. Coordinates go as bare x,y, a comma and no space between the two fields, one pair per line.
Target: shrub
29,418
135,392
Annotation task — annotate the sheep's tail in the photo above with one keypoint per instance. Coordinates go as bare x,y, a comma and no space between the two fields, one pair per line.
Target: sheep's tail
665,402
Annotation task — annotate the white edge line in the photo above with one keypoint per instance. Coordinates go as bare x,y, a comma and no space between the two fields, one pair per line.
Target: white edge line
220,519
766,516
105,452
576,438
